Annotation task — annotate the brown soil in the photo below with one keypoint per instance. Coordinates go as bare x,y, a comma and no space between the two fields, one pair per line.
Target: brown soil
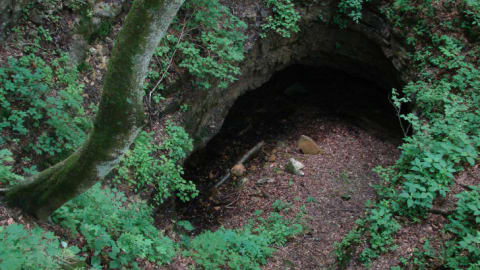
337,183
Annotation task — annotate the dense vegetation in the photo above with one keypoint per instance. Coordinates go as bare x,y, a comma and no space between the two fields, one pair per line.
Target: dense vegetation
445,141
43,115
43,119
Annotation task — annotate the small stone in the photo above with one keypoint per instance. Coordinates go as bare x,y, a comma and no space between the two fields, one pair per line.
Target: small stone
238,170
262,181
295,167
243,181
308,145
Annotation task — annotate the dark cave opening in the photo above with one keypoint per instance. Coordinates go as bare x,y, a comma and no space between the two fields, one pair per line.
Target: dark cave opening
271,113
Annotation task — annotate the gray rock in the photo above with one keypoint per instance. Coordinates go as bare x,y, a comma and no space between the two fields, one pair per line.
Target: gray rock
295,167
367,50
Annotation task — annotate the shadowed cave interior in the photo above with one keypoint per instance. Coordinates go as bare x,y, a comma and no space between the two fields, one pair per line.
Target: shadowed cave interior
270,113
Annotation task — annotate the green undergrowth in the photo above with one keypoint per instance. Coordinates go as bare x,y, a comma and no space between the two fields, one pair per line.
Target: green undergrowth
7,177
149,165
446,138
22,248
116,232
119,233
244,248
29,105
206,40
283,21
349,10
41,103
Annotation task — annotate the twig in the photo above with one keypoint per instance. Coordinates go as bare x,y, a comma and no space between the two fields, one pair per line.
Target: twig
244,158
224,178
168,66
252,151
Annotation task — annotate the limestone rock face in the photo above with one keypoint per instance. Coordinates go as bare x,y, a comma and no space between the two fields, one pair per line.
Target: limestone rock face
368,49
308,146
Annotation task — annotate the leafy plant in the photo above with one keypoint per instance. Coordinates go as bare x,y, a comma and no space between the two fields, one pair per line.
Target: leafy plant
245,248
209,44
280,205
284,20
114,233
239,249
44,99
6,176
351,9
156,166
464,249
34,249
276,229
446,138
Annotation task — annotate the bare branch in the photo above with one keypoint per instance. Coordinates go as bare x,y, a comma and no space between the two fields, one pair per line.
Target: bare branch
243,159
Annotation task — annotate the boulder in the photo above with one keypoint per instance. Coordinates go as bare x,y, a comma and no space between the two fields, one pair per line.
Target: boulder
308,146
238,170
295,167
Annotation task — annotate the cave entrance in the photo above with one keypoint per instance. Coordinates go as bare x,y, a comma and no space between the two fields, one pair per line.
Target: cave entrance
351,119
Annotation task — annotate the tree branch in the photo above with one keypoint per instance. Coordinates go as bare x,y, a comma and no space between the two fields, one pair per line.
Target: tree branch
243,159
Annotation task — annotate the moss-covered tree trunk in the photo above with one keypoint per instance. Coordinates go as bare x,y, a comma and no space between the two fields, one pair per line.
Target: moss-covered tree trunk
119,119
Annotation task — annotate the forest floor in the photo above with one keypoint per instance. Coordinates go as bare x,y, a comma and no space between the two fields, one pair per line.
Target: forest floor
336,185
334,190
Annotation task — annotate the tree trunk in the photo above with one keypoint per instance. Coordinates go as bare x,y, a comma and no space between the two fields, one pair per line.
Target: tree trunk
119,119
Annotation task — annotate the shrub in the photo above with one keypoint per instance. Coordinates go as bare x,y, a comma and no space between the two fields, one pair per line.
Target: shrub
239,249
464,250
34,249
209,44
284,20
6,176
141,168
245,248
116,232
446,138
351,9
44,99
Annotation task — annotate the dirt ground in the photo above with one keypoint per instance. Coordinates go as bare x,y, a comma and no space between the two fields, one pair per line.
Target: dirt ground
334,189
